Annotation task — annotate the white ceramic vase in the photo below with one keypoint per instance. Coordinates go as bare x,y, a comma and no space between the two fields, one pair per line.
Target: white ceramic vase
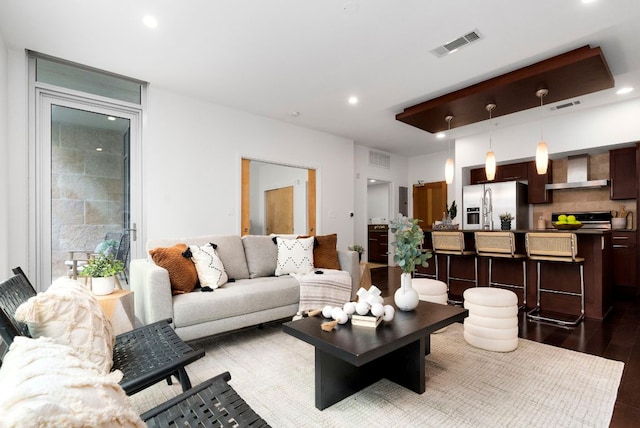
103,286
406,298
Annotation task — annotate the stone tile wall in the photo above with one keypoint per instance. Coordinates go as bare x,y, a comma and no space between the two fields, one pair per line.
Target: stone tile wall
86,189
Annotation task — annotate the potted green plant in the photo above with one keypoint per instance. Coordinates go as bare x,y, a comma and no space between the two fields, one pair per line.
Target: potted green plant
103,270
358,249
408,254
505,221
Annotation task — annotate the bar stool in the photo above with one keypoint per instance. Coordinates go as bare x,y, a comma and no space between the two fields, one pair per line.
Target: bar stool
450,243
501,245
554,247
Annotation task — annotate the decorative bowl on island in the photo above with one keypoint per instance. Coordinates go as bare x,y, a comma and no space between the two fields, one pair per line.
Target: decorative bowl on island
568,226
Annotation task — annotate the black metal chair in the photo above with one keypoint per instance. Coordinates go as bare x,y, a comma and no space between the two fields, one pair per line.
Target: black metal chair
146,355
212,403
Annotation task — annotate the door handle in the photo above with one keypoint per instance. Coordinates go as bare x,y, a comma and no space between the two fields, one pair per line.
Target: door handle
134,232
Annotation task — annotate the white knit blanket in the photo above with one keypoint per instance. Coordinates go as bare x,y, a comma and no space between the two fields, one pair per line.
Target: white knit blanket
332,287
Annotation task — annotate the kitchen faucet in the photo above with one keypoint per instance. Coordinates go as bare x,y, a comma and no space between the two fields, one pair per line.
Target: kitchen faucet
487,210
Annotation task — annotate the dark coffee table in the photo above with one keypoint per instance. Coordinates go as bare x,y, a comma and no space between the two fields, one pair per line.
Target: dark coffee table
349,358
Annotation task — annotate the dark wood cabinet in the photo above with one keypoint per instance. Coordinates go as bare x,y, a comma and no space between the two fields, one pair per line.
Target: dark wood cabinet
518,171
378,243
624,262
537,194
622,171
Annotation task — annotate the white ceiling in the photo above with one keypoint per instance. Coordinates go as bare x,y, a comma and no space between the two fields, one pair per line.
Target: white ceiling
274,57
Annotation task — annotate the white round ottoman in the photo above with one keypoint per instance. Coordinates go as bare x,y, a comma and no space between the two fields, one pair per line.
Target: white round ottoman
492,323
431,290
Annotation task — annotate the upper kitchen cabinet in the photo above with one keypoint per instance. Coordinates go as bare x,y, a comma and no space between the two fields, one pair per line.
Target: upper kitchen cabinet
537,193
511,172
622,170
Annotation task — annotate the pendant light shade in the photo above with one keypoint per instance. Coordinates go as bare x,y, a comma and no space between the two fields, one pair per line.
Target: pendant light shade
542,158
490,165
490,160
542,152
448,167
448,171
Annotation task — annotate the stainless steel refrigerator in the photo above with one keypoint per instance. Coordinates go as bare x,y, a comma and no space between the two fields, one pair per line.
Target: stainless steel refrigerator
482,205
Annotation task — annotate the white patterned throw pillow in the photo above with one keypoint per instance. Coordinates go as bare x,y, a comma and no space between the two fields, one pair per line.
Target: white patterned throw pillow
210,269
294,256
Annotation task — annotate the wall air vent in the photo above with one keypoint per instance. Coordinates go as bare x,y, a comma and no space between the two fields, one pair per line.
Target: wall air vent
378,159
456,44
565,105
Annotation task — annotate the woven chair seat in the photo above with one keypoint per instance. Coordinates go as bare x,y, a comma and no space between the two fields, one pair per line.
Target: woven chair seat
213,403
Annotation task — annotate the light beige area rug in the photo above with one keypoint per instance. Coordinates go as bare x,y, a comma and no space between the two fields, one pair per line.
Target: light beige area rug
536,385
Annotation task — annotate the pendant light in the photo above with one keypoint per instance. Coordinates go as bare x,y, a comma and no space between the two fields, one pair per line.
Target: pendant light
448,167
542,152
490,161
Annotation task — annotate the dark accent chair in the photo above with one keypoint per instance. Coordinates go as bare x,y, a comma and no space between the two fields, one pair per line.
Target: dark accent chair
145,355
212,403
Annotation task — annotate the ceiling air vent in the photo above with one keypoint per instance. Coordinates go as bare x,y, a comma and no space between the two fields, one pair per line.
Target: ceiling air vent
456,44
382,160
565,105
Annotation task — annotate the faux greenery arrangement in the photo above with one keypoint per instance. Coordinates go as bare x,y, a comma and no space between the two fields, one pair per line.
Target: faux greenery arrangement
102,266
357,248
506,216
452,210
408,243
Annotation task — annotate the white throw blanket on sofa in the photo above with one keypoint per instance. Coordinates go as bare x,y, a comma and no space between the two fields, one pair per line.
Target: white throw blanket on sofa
332,287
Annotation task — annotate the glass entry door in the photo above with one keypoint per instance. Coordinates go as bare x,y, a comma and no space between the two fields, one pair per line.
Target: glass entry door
85,183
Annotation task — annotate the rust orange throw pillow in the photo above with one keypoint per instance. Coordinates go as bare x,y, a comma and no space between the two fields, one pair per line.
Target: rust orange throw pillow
182,271
325,254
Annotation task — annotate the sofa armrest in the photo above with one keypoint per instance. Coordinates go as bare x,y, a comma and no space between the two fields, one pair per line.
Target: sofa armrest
350,262
151,290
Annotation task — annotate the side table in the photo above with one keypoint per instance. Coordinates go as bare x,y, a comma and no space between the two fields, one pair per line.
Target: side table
119,308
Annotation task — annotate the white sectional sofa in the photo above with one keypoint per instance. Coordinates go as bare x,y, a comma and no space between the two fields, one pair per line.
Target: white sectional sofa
254,295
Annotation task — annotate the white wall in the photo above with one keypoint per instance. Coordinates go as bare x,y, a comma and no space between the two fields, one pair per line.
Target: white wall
4,162
192,160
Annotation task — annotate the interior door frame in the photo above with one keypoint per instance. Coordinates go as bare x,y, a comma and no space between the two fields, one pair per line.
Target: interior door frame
45,96
245,194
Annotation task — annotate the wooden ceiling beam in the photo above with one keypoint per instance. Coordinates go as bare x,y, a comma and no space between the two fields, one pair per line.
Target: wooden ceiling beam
574,73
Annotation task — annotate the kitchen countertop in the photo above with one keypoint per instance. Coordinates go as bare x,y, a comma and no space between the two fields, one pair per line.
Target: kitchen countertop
581,231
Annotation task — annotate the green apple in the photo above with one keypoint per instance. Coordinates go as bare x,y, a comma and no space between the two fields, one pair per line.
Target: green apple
561,222
571,219
562,217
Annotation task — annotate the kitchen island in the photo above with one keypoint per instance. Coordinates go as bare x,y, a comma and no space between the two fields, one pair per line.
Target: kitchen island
594,245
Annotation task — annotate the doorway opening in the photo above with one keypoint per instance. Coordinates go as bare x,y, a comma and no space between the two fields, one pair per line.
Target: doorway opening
378,208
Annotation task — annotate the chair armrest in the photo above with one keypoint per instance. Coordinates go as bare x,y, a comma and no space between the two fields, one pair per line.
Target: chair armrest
350,262
152,291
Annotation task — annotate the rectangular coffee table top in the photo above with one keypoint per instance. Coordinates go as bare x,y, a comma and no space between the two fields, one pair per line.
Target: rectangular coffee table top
360,345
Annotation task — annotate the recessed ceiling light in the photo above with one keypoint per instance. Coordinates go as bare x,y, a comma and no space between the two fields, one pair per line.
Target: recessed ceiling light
440,135
353,100
111,118
624,90
371,180
295,113
588,1
150,21
98,149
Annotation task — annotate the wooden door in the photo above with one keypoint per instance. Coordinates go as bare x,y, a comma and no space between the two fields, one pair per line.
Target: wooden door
429,202
279,210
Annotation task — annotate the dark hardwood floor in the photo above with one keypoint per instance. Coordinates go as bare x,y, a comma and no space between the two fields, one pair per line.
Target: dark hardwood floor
616,338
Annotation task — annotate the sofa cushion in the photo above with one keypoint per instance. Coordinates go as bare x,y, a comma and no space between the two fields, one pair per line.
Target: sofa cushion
230,251
325,253
262,255
210,269
234,299
294,255
70,314
46,384
182,271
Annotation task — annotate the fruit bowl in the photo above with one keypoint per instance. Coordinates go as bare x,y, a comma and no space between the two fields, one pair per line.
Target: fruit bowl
568,226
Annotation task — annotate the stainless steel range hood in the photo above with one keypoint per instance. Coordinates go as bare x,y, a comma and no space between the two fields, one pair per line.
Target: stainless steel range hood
578,175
